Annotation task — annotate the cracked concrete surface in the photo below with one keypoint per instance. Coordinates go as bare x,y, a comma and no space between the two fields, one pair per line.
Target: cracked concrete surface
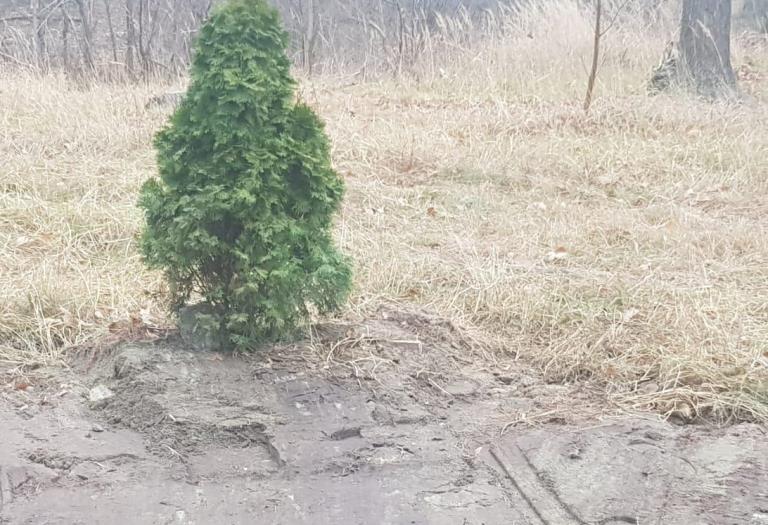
399,424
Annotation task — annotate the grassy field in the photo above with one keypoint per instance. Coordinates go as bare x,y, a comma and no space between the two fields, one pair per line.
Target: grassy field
626,246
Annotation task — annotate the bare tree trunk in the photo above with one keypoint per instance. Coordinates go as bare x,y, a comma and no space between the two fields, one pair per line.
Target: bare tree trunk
400,39
140,41
130,37
65,38
38,28
85,21
595,57
148,25
111,30
310,30
757,11
705,48
174,61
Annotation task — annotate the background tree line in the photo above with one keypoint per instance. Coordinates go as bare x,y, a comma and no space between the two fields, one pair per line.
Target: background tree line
139,39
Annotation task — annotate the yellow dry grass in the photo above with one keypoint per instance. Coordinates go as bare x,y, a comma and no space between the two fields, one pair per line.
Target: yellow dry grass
627,246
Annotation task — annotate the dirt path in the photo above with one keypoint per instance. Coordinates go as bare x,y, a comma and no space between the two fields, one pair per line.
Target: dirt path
390,422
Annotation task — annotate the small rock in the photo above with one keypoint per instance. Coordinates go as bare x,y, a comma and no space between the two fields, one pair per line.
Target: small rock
126,364
655,436
99,394
574,454
345,433
649,387
97,428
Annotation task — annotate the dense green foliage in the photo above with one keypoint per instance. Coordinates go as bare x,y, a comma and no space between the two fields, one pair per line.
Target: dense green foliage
241,215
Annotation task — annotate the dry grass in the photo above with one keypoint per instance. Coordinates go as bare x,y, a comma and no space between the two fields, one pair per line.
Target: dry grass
628,246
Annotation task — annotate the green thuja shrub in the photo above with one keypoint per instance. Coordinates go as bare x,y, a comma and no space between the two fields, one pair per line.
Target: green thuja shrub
241,214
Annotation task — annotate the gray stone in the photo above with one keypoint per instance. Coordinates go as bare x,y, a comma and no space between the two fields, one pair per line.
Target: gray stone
99,394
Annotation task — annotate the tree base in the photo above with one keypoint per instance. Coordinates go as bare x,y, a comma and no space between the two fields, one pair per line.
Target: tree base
672,75
200,328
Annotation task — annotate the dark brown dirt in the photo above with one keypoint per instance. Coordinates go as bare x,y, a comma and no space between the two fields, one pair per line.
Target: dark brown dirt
393,421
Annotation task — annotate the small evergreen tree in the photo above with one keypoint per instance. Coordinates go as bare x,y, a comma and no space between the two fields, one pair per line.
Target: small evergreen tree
241,214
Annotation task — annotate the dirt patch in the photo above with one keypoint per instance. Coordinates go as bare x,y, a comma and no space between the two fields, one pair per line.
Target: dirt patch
395,420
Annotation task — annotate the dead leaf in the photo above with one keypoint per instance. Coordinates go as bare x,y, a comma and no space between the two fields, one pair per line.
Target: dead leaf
432,212
649,387
559,253
412,293
146,317
629,314
23,240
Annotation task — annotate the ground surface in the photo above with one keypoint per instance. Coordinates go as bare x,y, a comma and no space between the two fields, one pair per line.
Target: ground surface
627,245
620,253
385,422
